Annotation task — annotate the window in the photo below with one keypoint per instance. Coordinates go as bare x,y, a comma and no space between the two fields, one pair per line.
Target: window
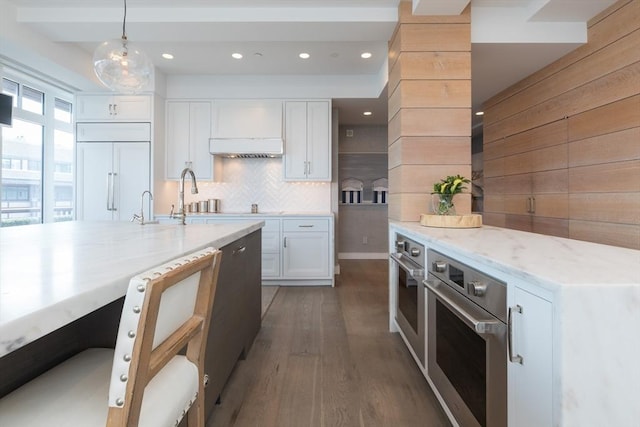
37,153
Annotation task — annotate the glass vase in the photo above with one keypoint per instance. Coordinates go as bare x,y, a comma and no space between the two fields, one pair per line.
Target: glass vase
442,204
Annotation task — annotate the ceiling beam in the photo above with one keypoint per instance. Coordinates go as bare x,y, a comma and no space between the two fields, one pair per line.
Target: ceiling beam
439,7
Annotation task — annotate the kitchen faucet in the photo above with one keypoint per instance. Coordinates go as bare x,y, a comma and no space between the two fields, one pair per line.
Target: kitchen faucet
140,218
182,214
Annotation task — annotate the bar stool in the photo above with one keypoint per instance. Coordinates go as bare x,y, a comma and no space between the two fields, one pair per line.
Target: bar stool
146,381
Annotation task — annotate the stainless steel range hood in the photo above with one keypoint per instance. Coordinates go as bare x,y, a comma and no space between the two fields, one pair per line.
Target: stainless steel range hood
246,147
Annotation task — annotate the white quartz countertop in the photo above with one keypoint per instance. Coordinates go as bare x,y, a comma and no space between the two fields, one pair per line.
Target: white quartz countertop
546,261
52,274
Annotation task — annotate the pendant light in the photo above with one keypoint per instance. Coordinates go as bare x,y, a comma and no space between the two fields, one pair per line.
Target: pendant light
120,66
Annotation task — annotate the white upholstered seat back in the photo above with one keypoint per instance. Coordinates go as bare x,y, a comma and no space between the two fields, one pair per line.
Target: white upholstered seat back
176,306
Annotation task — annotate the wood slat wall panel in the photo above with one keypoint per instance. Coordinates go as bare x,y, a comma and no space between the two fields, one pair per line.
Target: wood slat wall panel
430,94
434,65
546,205
431,122
613,147
495,185
624,114
624,235
429,128
429,150
613,87
420,179
606,177
605,207
625,16
494,205
496,220
555,181
571,131
494,149
435,37
494,168
622,53
517,184
547,135
551,226
519,222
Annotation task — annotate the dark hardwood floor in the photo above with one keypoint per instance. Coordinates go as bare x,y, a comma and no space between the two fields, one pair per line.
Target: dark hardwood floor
324,357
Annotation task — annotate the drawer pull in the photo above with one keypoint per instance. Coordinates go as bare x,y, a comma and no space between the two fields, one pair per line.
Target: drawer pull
305,226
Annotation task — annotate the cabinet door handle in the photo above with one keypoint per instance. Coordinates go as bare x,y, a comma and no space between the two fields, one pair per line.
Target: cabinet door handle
115,111
533,205
285,242
239,250
308,168
517,358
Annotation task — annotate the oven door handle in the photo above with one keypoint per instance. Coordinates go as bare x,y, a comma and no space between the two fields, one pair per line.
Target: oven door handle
416,273
481,327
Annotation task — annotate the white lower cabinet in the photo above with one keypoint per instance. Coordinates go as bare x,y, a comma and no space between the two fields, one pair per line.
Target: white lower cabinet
530,399
271,248
111,177
305,252
296,249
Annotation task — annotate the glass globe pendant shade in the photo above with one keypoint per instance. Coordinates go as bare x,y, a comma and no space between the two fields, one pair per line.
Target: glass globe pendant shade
122,67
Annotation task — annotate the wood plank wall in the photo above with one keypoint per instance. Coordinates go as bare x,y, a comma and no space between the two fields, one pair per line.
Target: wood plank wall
429,109
569,136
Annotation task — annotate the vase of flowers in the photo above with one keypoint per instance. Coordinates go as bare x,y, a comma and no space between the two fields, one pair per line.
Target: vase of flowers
443,192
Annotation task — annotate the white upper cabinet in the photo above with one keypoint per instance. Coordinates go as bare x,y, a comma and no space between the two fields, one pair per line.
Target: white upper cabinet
188,128
113,108
307,154
247,119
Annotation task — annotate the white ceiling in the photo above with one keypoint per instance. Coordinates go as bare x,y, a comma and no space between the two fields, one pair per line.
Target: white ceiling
511,38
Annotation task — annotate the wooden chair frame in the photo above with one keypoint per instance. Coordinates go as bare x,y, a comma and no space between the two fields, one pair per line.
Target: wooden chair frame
146,362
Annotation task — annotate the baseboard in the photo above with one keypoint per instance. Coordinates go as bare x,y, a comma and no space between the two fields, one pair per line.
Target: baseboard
363,255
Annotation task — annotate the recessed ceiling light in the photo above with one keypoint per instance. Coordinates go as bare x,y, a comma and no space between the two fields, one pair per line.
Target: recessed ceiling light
479,113
167,56
236,55
304,55
367,113
366,55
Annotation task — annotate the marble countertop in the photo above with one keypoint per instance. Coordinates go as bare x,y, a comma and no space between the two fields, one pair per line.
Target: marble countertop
546,261
593,322
52,274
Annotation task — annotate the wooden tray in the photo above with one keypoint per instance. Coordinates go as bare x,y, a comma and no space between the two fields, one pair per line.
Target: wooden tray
451,221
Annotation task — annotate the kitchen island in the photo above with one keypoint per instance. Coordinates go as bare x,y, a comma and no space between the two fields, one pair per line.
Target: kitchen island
577,328
62,287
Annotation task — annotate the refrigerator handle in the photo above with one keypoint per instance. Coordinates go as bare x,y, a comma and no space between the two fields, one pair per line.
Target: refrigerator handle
109,186
113,192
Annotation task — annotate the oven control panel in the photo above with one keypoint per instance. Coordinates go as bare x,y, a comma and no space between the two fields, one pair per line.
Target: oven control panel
486,291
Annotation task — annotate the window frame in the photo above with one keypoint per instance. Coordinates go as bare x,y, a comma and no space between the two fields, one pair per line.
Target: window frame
49,124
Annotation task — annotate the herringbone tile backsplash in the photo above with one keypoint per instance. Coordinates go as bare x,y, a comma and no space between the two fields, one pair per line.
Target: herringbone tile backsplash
247,181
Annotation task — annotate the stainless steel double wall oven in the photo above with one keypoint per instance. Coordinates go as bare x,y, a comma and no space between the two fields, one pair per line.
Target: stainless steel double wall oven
467,341
409,260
